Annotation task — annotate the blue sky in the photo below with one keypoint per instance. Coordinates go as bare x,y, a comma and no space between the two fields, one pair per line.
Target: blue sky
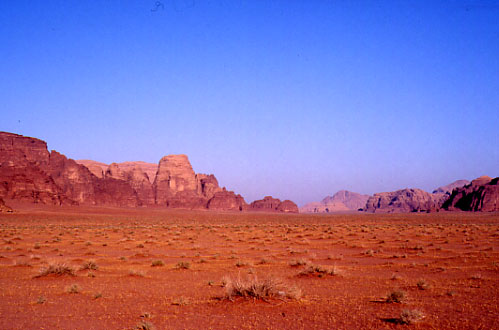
294,99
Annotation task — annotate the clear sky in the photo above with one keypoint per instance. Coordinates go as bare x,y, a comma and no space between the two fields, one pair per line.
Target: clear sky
295,98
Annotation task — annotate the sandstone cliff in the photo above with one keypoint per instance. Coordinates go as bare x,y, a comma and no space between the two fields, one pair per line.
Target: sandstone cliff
482,194
270,204
29,172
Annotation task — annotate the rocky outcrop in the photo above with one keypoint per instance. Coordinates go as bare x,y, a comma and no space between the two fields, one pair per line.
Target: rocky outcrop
227,201
270,204
481,194
4,208
175,176
287,206
405,200
341,201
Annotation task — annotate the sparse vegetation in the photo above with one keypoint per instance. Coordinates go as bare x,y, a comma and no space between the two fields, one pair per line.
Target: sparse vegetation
74,288
411,316
397,296
255,288
157,263
58,269
183,265
90,265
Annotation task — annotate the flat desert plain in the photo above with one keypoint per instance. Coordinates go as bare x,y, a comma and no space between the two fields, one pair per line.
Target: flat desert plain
103,268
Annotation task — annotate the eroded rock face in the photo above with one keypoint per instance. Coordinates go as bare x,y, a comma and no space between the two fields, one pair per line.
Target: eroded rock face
481,194
28,172
175,174
404,200
270,204
4,208
227,201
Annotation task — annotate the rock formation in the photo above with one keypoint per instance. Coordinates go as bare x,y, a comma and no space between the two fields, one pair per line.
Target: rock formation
482,194
227,201
451,186
4,208
404,200
343,200
30,173
270,204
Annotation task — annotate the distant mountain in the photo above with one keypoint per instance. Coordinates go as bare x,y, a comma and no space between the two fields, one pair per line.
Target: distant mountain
343,200
451,186
412,200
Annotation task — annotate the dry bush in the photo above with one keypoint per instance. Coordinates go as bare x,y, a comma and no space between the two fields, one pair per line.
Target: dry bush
75,288
396,297
423,285
90,265
319,271
183,265
143,325
58,269
299,262
255,288
136,273
157,263
411,316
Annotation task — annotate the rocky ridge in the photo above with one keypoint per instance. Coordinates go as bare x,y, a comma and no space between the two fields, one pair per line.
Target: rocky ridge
482,194
30,173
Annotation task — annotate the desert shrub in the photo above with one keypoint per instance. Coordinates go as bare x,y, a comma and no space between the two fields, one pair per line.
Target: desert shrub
90,265
299,262
157,263
397,296
255,288
318,270
75,288
183,265
423,285
135,273
143,325
411,316
58,269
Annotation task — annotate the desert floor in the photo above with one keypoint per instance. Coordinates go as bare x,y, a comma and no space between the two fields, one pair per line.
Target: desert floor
171,269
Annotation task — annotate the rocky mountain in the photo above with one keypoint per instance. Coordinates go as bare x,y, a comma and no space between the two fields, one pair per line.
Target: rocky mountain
343,200
270,204
482,194
404,200
30,173
451,186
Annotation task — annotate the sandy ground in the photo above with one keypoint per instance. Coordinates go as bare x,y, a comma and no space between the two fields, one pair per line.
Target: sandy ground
446,264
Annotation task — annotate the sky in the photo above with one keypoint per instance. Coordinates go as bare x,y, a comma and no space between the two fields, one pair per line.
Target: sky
295,99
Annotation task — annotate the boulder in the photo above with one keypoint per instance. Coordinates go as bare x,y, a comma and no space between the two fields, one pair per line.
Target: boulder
482,194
